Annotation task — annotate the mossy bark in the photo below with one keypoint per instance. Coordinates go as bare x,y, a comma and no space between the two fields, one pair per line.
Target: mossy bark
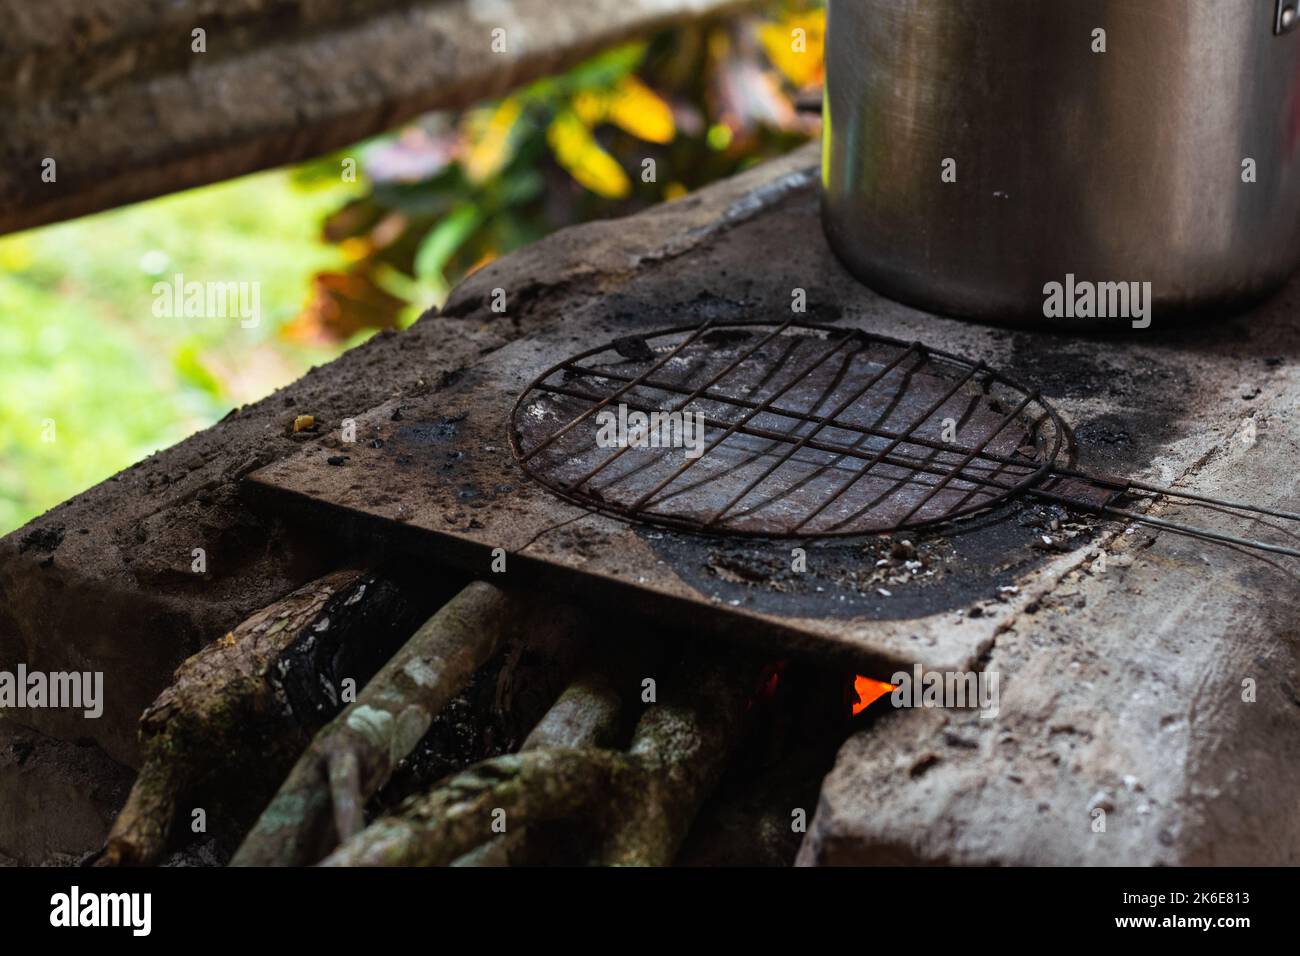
323,799
245,706
641,801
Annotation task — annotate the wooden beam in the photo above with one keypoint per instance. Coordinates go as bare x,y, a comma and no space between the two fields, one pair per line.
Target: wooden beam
116,95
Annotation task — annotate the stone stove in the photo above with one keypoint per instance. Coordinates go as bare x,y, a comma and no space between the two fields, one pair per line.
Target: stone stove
1124,654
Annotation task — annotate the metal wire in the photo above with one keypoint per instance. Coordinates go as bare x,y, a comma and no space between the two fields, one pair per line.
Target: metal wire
735,363
742,394
801,450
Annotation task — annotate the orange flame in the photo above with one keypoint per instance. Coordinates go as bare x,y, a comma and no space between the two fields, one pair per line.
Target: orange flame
869,691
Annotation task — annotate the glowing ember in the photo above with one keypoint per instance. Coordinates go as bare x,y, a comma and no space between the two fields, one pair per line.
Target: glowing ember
869,691
768,682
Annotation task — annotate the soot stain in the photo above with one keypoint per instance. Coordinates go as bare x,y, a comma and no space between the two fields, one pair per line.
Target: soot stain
437,432
41,540
1147,398
925,573
1077,367
1120,443
665,311
445,446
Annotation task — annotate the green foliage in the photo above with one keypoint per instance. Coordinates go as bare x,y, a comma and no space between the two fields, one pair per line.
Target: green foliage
453,191
80,345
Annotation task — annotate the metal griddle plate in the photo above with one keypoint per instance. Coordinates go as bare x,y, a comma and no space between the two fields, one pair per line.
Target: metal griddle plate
435,475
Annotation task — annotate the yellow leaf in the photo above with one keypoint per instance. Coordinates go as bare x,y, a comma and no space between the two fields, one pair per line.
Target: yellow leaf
639,110
356,247
579,153
491,144
591,107
795,45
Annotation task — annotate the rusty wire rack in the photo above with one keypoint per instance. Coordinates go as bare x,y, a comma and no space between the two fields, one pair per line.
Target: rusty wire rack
809,431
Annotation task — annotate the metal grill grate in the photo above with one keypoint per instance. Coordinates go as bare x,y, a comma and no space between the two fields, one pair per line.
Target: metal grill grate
806,431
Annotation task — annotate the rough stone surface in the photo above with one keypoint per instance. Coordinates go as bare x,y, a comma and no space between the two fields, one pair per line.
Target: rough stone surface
57,798
1122,690
112,91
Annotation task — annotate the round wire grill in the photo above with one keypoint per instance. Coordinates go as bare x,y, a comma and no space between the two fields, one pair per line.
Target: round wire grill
781,430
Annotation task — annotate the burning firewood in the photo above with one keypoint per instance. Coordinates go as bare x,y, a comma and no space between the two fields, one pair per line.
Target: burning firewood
641,801
275,679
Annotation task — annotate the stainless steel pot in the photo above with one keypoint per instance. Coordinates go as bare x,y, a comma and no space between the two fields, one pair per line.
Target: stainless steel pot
1128,165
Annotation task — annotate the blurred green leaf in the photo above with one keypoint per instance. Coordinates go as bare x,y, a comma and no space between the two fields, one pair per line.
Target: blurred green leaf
519,187
604,70
191,370
441,244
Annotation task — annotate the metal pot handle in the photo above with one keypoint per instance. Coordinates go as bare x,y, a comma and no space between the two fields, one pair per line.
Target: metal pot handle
1287,17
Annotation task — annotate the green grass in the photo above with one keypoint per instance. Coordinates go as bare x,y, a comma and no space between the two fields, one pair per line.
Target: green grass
80,345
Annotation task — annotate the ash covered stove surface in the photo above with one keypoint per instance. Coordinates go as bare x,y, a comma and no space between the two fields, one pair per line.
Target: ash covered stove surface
439,476
435,474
